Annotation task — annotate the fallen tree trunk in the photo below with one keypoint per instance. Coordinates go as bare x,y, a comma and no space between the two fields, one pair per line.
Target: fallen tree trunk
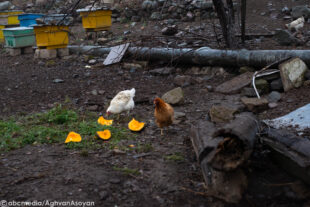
202,56
290,151
228,147
221,152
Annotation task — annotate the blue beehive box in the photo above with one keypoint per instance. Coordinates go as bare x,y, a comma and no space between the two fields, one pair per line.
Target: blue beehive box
27,20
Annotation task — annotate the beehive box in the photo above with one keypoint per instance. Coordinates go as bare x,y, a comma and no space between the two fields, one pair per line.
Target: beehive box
27,20
19,37
96,20
9,17
1,31
51,36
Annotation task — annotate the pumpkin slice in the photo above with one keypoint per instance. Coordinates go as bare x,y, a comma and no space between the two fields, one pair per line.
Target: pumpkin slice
103,121
135,125
105,135
73,137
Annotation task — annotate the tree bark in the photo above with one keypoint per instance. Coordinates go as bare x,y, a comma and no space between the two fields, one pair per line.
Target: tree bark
227,21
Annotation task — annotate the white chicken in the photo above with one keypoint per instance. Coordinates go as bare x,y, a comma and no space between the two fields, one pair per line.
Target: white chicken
123,101
296,25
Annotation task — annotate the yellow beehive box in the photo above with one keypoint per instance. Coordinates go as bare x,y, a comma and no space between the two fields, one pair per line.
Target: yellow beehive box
10,17
51,36
96,20
1,33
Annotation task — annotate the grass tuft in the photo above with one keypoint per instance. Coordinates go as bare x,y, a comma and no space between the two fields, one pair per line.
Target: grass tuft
176,157
127,171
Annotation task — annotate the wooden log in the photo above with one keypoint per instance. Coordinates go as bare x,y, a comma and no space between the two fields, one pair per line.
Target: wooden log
228,186
290,151
228,147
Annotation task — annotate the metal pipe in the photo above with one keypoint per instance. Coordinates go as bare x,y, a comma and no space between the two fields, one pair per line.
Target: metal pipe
203,56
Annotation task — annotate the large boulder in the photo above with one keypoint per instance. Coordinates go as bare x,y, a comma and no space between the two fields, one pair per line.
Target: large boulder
299,11
292,73
175,96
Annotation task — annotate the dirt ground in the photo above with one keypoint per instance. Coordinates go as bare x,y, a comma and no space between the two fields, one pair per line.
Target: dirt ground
52,172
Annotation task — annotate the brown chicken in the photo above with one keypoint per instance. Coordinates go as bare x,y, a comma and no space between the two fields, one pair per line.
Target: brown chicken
164,114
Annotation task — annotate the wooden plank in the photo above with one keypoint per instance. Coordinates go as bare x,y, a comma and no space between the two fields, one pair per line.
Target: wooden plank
116,54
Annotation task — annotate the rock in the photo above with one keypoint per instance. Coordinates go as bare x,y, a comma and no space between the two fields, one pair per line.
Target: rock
156,16
115,181
236,84
170,30
245,69
211,71
221,113
118,152
135,18
127,32
307,83
41,2
307,75
255,104
147,5
93,108
274,97
272,77
286,10
276,85
285,38
101,92
179,115
181,80
102,40
272,105
58,81
162,71
190,16
94,92
92,61
249,92
175,96
210,88
103,195
45,53
299,11
5,5
130,66
292,73
262,85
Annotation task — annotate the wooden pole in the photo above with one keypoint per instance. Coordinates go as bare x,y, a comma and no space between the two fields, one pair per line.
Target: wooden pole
243,17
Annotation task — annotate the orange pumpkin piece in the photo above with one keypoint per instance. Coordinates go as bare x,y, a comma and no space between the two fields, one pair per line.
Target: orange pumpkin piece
103,121
105,135
73,137
135,125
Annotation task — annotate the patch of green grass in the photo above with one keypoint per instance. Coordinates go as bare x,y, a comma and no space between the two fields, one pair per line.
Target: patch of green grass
127,171
176,157
54,125
144,148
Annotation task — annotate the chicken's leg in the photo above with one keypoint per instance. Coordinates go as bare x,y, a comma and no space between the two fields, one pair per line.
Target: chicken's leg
161,132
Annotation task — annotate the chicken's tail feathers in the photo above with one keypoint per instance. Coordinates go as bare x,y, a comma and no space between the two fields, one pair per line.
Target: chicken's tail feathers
132,92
